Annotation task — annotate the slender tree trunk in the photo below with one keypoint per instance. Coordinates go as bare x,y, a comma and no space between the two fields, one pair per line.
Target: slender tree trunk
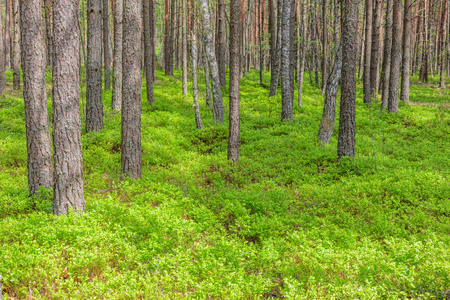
261,40
395,56
217,93
106,50
234,128
406,57
276,58
386,67
329,108
184,49
368,47
2,62
48,30
94,104
362,49
375,51
198,118
222,36
286,88
347,115
303,55
67,155
16,46
443,53
39,148
324,45
292,49
423,77
171,36
207,77
272,31
131,157
148,51
8,52
117,63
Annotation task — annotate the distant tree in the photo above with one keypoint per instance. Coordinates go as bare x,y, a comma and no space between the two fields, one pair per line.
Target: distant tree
396,54
16,46
276,58
8,52
386,66
148,50
375,49
67,156
94,104
286,87
184,46
235,41
367,53
117,63
2,62
131,155
198,119
302,50
347,115
406,57
442,37
106,40
39,148
221,41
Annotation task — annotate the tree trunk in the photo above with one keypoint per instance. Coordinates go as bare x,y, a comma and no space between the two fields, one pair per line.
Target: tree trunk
286,87
324,44
131,157
198,118
106,50
396,54
221,42
94,104
329,108
272,31
39,148
2,62
8,56
16,46
386,67
234,128
184,47
276,58
368,47
375,51
68,158
303,55
443,53
116,103
48,30
148,51
406,57
347,115
261,40
217,93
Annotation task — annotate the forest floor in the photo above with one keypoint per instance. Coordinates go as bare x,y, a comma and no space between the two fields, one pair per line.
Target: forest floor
289,221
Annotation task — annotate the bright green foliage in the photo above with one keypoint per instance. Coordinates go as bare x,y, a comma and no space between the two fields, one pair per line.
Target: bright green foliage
289,220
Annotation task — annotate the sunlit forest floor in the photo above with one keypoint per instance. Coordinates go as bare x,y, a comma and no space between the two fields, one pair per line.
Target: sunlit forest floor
289,221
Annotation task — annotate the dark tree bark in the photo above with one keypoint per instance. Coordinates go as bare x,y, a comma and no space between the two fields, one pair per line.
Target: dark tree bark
368,46
166,35
39,148
198,119
347,115
117,63
132,84
276,58
184,47
234,129
329,108
423,76
217,93
148,51
443,48
324,44
68,158
386,67
272,31
16,46
303,55
106,50
94,104
292,52
170,46
396,55
286,86
48,30
153,37
261,40
406,57
2,62
375,51
221,42
8,56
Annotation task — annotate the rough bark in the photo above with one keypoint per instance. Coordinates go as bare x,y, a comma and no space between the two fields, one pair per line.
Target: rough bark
368,46
443,48
221,42
8,56
48,30
184,47
329,108
116,103
94,105
272,31
406,57
276,58
375,51
286,87
396,55
234,129
198,118
2,62
16,46
386,67
347,115
131,156
148,51
106,50
207,77
303,55
68,158
324,44
292,52
217,93
39,148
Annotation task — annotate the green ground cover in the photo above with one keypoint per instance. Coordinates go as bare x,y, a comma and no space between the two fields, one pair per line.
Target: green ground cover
289,221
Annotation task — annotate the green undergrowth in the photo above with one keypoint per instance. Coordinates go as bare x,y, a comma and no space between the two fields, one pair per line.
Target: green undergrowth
289,221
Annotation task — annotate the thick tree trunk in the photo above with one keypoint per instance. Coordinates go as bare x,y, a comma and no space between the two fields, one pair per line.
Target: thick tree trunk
48,30
276,58
375,51
94,104
106,50
148,51
396,55
198,118
184,47
16,46
368,47
68,158
406,57
132,84
217,93
386,67
347,115
39,148
234,128
116,103
329,108
286,86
